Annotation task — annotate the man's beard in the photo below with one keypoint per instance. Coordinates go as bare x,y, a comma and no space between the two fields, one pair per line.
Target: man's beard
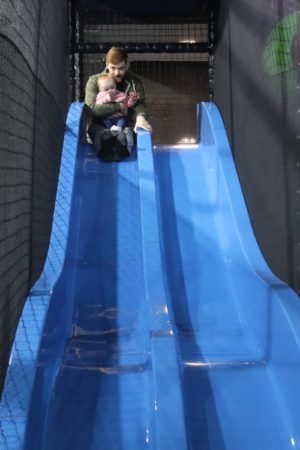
118,78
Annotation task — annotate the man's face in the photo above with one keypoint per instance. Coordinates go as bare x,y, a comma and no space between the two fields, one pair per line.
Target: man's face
117,71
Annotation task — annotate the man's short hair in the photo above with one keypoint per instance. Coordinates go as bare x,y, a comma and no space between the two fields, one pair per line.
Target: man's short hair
116,55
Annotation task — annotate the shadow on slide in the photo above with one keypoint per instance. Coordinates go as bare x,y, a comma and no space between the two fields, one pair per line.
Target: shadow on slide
165,328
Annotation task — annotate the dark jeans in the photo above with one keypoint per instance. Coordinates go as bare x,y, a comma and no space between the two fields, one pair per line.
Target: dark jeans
119,121
109,147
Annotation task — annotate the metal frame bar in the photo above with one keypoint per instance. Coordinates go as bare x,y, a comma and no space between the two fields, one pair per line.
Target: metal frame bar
159,47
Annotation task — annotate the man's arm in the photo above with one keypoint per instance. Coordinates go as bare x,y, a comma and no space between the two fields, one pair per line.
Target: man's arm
91,91
140,108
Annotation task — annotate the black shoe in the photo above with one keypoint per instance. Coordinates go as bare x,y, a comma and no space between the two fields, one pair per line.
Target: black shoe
121,151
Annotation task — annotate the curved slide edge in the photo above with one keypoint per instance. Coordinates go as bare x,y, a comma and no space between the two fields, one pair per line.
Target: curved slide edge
16,394
220,163
213,134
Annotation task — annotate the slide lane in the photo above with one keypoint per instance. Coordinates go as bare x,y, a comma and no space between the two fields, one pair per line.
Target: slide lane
107,373
237,326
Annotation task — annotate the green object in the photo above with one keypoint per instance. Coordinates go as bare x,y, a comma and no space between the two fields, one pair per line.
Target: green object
277,54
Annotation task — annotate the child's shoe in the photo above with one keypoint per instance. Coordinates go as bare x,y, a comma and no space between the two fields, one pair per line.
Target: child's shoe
115,130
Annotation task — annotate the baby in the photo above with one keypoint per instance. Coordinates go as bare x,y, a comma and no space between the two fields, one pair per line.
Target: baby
116,122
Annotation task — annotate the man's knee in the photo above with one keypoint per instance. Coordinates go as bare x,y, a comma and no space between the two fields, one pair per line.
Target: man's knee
95,132
121,138
106,135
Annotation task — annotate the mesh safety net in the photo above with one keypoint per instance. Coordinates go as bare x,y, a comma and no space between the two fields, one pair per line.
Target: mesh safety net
257,88
34,97
168,50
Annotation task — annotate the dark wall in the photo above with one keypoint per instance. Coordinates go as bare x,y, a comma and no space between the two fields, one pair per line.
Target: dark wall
33,105
257,91
151,7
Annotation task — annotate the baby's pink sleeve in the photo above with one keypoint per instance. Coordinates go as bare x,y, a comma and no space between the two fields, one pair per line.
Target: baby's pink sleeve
102,98
120,97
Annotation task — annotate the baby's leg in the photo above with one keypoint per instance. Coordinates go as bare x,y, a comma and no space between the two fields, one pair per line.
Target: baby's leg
122,122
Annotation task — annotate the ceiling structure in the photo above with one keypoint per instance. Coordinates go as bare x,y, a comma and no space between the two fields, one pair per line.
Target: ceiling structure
153,9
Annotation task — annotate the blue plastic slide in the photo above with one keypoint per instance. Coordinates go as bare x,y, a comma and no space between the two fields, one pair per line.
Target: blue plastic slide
156,323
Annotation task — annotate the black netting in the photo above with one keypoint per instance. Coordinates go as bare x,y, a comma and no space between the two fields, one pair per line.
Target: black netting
33,90
256,89
45,175
168,50
145,33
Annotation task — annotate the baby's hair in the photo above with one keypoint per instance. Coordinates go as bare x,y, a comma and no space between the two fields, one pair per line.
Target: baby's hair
103,78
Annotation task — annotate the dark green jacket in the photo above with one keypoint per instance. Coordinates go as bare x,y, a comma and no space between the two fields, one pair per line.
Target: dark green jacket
130,83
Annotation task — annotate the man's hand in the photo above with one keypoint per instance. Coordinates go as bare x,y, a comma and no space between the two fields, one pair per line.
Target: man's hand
141,122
